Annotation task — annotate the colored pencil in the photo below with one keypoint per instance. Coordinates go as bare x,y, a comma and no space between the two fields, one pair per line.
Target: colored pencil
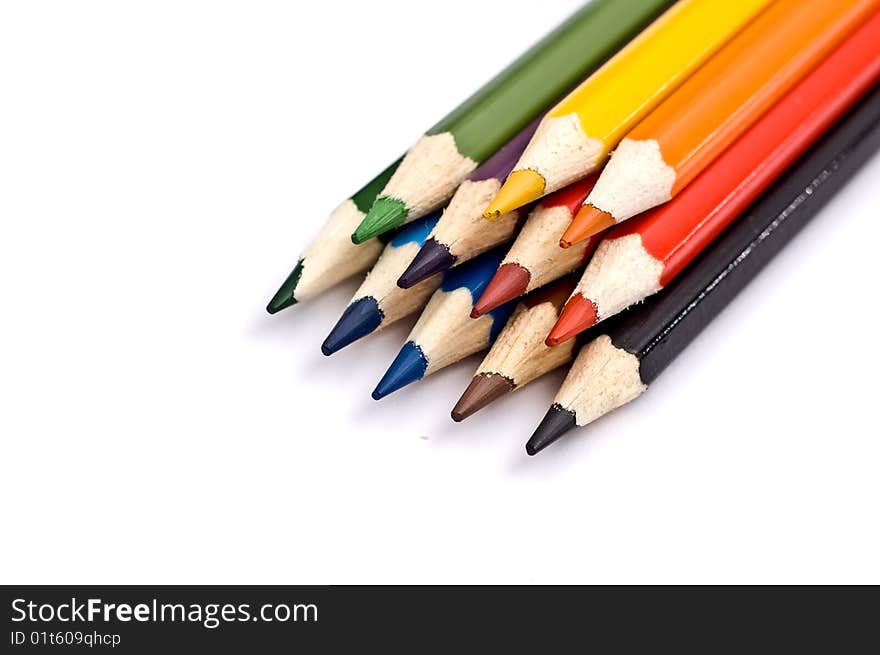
535,258
519,354
618,366
645,254
451,150
379,302
445,333
462,234
578,133
332,257
693,126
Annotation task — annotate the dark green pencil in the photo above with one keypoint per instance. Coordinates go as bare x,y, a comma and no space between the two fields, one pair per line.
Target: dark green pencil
332,257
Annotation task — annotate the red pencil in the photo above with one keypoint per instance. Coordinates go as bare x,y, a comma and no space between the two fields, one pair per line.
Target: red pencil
641,256
535,258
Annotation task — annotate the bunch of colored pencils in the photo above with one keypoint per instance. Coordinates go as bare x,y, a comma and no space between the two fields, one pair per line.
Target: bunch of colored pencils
641,163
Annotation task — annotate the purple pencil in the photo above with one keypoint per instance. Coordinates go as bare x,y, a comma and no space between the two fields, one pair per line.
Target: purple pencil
462,233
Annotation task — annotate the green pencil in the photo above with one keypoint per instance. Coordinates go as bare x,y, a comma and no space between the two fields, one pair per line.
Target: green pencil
332,257
441,159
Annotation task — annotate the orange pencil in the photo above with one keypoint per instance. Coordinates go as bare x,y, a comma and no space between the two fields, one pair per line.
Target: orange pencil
696,123
640,257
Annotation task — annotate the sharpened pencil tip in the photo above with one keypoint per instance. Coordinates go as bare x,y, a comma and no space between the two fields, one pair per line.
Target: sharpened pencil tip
557,421
434,257
587,222
285,297
386,214
578,314
409,366
520,188
359,319
483,389
510,281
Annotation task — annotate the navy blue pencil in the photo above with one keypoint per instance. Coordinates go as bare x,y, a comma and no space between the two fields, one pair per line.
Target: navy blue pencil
379,302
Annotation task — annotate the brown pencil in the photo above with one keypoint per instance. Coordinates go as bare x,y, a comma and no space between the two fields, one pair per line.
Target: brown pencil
519,354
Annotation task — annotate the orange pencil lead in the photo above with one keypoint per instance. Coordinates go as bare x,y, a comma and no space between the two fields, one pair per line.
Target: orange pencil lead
589,221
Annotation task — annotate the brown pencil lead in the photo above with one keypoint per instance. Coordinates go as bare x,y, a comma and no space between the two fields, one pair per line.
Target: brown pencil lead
485,388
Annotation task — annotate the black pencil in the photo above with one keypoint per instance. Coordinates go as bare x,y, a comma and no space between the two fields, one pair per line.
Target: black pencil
618,366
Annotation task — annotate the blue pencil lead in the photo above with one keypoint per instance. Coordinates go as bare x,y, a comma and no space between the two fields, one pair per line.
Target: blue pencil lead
358,320
409,366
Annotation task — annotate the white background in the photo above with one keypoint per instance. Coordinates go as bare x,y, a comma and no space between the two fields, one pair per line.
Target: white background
161,166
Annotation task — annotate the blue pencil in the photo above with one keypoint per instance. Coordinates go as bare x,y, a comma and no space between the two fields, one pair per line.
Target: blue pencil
445,333
379,302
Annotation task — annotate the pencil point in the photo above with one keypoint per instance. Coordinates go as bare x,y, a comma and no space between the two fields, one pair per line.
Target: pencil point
284,297
408,367
589,221
483,389
386,214
510,281
557,421
578,314
358,320
521,188
433,258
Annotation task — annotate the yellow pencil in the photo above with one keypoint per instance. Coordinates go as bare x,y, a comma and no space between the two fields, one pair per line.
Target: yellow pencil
576,136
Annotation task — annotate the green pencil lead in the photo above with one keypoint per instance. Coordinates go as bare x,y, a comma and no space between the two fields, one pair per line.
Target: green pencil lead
385,214
284,297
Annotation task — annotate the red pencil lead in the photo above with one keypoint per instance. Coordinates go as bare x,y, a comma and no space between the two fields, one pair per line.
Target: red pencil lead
578,315
510,281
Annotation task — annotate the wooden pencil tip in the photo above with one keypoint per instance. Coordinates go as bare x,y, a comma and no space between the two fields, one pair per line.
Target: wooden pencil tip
521,188
589,221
